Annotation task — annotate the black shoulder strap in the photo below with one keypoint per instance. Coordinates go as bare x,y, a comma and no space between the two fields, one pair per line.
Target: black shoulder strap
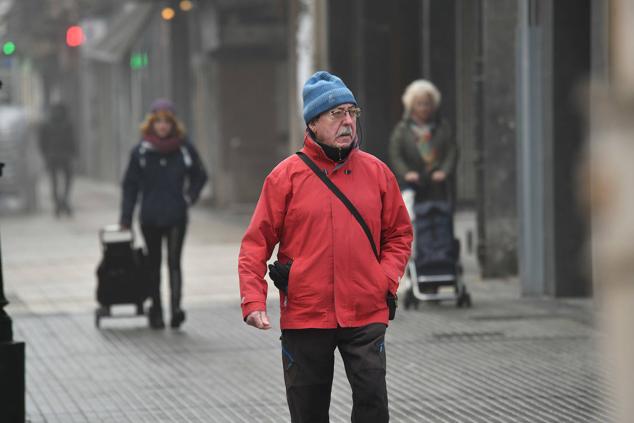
342,197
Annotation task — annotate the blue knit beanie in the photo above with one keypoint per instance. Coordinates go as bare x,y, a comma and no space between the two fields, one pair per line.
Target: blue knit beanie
322,92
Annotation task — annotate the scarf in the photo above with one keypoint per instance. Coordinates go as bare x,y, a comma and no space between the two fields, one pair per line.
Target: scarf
427,151
164,145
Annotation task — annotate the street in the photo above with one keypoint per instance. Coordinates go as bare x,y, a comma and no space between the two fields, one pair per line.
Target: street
507,359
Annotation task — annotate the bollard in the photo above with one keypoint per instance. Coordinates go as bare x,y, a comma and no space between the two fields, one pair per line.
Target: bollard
12,368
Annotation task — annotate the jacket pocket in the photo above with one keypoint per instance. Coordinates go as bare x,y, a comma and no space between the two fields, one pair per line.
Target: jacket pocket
290,286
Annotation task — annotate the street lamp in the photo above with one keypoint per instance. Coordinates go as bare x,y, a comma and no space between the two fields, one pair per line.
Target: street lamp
12,385
186,5
168,13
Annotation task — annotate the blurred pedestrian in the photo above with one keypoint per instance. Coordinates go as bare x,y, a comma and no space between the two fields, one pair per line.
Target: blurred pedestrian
59,149
336,288
422,150
167,173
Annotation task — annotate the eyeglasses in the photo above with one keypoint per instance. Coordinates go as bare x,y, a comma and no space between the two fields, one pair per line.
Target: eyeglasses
339,114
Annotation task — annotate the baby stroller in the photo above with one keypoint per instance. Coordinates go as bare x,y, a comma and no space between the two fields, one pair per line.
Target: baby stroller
120,275
435,261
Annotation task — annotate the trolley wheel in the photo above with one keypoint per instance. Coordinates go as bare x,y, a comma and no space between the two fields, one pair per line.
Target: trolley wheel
99,313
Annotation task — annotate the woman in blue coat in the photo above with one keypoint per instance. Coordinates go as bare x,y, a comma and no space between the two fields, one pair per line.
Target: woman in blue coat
165,173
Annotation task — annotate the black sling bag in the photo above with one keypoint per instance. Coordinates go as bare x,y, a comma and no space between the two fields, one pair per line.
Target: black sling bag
391,300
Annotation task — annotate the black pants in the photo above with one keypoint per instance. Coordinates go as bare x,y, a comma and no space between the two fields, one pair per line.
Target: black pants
308,360
175,236
61,175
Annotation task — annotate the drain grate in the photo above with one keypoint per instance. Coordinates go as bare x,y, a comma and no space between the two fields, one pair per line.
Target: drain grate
507,317
468,336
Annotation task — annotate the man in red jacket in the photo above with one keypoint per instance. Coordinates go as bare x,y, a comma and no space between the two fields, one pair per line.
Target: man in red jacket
334,286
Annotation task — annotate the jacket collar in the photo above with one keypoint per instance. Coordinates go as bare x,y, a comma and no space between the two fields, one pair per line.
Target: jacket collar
315,152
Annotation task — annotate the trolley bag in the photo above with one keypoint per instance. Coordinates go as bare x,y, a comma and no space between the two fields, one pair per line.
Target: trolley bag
120,275
436,247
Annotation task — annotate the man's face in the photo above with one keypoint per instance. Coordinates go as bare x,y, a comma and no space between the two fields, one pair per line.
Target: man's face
337,127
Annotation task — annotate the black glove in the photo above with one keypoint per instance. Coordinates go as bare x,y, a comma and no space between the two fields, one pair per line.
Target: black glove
278,272
392,304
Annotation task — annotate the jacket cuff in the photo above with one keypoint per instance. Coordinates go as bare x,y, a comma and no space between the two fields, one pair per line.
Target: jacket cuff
249,308
392,281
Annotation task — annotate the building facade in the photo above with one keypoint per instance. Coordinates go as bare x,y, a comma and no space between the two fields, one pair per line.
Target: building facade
509,72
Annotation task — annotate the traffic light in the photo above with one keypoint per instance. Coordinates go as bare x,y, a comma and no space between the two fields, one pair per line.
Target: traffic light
75,36
138,61
8,48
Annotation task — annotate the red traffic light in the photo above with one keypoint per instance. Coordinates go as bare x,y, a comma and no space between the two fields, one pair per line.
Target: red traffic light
75,36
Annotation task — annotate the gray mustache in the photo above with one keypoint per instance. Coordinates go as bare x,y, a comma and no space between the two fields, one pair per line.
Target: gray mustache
344,131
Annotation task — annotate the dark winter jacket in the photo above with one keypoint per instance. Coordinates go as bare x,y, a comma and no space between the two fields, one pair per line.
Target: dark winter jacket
57,141
405,156
167,183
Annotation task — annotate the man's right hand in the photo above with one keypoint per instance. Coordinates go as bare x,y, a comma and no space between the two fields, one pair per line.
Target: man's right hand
279,272
258,319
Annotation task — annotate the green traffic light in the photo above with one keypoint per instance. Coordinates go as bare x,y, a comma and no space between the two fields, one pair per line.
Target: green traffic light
8,48
138,60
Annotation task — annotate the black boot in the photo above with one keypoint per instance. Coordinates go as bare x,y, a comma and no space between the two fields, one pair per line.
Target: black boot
178,315
156,317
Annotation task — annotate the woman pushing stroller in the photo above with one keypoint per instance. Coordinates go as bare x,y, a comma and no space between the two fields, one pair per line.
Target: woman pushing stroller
422,150
423,155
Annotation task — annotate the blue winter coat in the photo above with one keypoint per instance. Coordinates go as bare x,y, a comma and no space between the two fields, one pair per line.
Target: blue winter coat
167,183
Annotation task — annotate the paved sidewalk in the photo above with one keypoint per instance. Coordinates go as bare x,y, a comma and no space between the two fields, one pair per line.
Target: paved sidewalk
505,360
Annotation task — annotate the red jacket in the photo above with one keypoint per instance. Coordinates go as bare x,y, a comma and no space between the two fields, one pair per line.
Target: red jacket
335,278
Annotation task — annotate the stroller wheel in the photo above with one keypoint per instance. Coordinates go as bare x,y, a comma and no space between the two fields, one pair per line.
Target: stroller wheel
464,300
406,301
409,300
467,300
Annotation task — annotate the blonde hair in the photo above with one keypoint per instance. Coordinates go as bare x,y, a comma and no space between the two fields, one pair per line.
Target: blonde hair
418,88
147,126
